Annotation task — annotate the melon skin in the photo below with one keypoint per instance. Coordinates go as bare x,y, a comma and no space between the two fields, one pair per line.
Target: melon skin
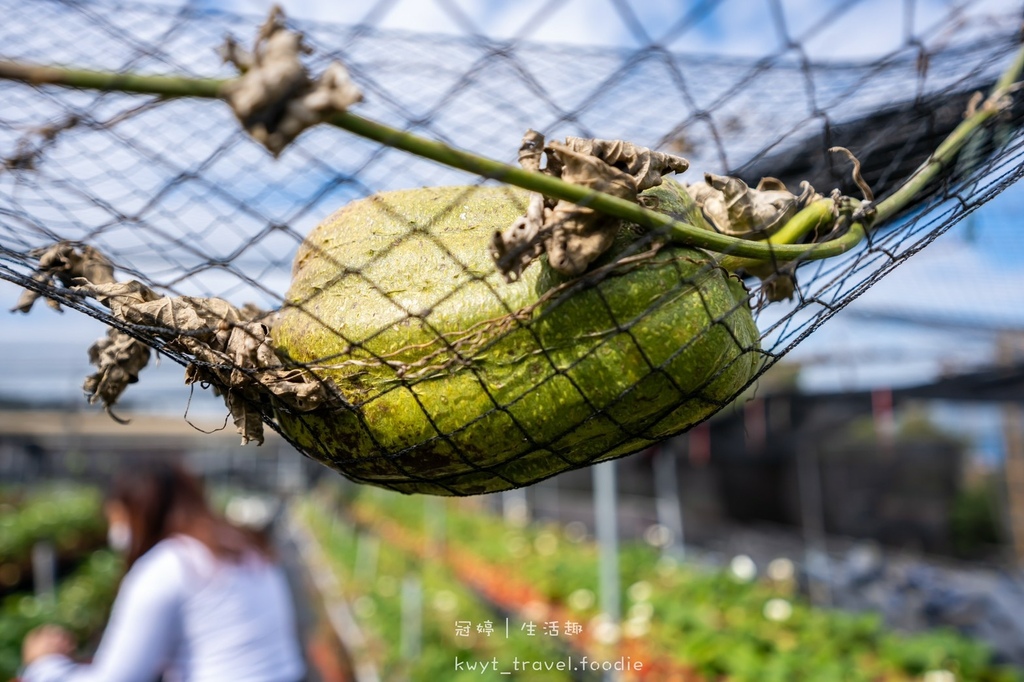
449,391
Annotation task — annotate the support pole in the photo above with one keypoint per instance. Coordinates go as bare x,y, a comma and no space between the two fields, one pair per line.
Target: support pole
607,522
1013,463
412,618
435,513
668,504
812,513
514,507
44,569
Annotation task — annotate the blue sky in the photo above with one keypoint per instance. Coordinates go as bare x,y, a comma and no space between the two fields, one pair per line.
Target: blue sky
735,27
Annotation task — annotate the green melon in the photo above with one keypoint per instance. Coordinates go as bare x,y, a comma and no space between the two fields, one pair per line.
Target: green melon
458,383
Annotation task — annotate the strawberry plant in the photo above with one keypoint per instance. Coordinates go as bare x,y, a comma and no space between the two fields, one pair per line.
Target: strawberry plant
80,604
444,653
719,625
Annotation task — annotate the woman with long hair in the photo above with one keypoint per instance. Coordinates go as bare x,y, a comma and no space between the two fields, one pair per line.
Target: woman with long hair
201,601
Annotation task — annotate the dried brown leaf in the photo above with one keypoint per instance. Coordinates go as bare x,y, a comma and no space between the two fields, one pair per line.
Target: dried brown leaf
573,236
64,263
646,166
519,245
531,150
230,347
296,388
275,99
735,209
577,235
248,420
118,359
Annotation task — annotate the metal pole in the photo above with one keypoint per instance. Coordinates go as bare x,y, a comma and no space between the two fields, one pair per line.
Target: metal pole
44,569
813,520
607,527
435,513
1013,461
667,501
514,507
412,618
606,519
546,501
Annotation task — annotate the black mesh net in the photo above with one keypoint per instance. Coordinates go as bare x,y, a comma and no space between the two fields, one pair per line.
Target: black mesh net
421,368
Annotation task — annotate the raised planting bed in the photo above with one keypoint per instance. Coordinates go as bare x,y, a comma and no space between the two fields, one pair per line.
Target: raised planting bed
461,636
680,620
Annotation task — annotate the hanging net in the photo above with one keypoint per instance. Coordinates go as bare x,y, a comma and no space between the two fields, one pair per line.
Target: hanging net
465,325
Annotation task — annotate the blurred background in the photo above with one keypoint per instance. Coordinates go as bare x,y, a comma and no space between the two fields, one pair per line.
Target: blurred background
859,516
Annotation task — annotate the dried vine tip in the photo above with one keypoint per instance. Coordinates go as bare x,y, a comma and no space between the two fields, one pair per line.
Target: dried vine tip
733,208
572,235
275,99
864,187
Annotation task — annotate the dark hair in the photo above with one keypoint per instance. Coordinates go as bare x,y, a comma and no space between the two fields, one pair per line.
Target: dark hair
163,499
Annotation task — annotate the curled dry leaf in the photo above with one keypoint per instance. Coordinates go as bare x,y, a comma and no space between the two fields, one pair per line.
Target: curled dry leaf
573,236
645,166
778,285
733,208
118,359
62,262
230,347
275,99
576,235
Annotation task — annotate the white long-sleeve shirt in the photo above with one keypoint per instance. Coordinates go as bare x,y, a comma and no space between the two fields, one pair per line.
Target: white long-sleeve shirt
183,613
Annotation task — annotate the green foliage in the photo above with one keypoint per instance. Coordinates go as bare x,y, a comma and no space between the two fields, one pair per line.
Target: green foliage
80,604
711,621
70,518
973,520
377,603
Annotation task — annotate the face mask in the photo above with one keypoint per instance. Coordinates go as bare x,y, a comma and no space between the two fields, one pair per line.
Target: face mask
119,537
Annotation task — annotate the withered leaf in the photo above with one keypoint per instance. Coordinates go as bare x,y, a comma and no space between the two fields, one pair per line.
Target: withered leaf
578,234
230,347
735,209
573,236
275,99
247,419
118,359
644,165
64,263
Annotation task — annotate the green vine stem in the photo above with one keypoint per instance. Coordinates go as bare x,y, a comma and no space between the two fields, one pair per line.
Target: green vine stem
820,212
741,251
162,86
